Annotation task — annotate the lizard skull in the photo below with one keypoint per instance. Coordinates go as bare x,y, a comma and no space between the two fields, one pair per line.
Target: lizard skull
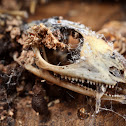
97,64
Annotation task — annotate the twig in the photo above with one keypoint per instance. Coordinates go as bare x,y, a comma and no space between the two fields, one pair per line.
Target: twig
15,13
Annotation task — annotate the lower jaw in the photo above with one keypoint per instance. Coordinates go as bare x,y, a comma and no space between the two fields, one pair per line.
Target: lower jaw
76,88
87,91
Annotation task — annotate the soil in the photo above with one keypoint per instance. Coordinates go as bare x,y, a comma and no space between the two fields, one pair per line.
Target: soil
26,100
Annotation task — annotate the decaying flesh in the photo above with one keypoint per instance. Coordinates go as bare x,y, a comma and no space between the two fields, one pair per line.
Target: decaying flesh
98,68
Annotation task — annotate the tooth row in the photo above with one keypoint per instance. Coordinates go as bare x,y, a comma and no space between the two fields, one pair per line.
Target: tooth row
90,89
82,81
112,95
111,86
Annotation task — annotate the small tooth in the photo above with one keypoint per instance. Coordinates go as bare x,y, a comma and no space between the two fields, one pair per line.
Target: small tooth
109,86
103,88
87,81
76,79
116,95
62,76
91,82
55,74
69,78
81,85
100,84
112,86
72,79
106,86
94,83
66,77
82,81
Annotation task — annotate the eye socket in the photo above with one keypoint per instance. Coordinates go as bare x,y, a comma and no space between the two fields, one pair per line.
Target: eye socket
116,72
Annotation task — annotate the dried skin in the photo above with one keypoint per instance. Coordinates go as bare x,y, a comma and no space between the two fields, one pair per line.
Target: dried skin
39,35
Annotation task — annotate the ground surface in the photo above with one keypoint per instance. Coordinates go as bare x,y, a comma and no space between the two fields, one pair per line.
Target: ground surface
64,112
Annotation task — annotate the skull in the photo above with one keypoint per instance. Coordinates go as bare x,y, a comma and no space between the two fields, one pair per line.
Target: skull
96,64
